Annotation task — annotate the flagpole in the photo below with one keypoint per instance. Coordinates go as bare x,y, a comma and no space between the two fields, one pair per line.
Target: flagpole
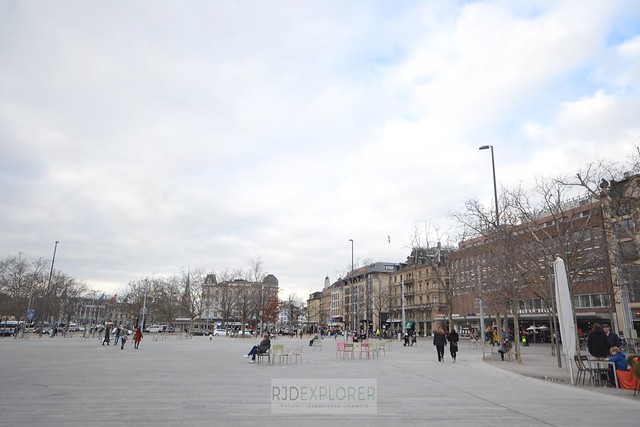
47,297
144,309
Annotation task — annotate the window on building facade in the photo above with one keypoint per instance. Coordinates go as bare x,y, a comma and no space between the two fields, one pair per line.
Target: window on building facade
592,300
434,299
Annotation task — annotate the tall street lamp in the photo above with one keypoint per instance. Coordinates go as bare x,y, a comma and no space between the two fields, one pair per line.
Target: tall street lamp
495,188
495,199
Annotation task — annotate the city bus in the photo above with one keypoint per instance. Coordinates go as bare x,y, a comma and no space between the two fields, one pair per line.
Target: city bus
8,327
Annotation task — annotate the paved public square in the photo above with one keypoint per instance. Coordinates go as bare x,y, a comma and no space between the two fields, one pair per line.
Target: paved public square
202,382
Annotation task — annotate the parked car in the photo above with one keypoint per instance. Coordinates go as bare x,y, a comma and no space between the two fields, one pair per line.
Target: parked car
200,332
157,328
219,333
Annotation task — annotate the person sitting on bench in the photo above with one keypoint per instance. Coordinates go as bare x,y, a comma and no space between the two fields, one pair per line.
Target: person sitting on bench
504,348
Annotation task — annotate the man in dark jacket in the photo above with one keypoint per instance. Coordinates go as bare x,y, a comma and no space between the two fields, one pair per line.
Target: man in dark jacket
612,338
597,342
264,346
440,340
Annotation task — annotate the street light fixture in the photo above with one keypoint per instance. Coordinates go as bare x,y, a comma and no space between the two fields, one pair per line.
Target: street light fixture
495,188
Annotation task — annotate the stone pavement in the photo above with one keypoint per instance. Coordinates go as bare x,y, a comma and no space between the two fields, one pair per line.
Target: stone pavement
539,363
202,382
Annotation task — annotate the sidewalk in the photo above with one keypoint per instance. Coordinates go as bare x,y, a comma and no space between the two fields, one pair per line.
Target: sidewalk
537,362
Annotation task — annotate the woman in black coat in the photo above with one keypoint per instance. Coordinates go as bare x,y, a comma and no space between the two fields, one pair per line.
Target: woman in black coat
440,340
453,343
597,342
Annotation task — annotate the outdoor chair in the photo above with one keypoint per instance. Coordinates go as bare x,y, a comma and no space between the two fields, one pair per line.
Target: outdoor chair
297,353
583,370
380,347
266,354
365,349
339,348
600,372
279,352
348,349
508,354
317,345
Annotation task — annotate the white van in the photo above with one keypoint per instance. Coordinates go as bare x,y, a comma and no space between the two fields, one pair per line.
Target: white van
157,328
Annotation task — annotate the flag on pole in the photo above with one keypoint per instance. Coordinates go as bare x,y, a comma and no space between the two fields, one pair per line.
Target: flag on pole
102,298
113,298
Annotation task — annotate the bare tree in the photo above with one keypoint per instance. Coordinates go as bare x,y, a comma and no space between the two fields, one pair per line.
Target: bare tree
166,294
193,301
506,285
22,284
292,306
245,302
428,249
560,226
69,300
618,188
381,300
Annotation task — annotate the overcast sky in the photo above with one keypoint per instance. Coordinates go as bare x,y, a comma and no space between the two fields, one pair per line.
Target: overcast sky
149,137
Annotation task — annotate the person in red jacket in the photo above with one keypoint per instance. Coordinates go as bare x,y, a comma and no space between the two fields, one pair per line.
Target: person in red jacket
137,337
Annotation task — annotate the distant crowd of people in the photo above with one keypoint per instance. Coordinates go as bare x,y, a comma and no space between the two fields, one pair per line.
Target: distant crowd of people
120,335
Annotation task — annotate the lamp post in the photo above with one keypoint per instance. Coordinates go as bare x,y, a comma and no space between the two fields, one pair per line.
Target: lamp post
495,198
45,314
495,188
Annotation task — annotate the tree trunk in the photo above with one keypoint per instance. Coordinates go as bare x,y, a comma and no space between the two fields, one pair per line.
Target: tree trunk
516,334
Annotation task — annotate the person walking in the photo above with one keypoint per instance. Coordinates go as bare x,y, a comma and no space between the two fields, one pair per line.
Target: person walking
453,343
117,336
440,340
123,338
137,337
107,336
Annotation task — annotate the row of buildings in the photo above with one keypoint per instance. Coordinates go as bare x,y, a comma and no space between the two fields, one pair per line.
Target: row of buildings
503,271
506,272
